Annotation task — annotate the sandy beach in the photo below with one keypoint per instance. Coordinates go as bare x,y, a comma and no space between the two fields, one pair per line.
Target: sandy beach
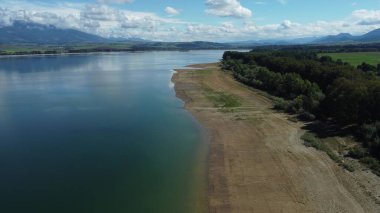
257,161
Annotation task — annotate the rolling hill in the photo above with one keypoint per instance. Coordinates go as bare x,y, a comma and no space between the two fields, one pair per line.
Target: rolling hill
373,36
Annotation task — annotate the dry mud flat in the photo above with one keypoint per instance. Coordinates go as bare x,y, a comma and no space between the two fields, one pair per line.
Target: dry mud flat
257,161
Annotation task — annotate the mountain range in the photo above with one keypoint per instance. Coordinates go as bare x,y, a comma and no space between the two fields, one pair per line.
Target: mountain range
32,33
373,36
23,32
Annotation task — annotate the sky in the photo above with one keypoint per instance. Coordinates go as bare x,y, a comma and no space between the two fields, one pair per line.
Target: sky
195,20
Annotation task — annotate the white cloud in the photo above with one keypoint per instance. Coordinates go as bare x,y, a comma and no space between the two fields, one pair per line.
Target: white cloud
172,11
227,8
286,24
283,2
93,18
367,17
228,27
101,13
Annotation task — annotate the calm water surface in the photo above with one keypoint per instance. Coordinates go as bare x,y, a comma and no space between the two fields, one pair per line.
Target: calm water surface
97,133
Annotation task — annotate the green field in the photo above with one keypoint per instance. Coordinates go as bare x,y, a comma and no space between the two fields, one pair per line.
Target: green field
25,49
356,58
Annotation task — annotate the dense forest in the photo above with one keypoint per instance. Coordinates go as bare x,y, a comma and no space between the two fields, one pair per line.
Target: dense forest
317,88
336,48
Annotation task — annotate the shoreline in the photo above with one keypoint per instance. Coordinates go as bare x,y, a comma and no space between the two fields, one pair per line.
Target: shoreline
201,181
115,52
256,159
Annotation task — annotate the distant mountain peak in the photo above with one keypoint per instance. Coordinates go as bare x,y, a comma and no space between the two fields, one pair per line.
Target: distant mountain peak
373,36
29,32
344,35
373,33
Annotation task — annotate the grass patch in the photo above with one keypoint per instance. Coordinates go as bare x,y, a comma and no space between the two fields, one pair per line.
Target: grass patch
200,72
223,100
227,100
310,140
356,58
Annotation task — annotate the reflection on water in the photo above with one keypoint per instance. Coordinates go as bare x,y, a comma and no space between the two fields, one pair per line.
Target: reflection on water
97,133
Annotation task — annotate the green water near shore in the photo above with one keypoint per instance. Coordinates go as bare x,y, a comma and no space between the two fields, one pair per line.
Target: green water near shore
98,133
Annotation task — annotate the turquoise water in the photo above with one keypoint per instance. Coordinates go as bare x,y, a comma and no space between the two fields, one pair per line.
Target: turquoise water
97,133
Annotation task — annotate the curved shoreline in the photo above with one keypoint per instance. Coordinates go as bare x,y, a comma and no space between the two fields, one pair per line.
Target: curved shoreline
256,160
201,171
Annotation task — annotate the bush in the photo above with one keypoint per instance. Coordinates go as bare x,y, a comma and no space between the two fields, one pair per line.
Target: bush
372,163
357,152
348,167
370,133
311,141
282,104
306,116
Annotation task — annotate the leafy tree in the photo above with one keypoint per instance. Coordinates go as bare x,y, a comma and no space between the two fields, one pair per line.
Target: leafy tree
367,67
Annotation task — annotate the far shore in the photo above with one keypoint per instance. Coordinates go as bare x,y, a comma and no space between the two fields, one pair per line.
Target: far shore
110,52
257,161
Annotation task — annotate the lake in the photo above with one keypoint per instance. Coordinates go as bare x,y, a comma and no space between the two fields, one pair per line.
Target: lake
99,133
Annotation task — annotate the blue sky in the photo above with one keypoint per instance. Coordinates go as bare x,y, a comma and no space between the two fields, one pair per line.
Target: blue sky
211,20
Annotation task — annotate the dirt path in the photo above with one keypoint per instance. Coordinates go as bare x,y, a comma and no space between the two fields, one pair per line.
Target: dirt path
257,162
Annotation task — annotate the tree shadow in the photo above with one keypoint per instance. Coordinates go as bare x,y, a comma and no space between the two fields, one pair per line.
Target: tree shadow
325,129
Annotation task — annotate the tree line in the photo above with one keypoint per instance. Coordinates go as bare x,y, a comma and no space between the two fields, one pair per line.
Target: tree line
315,87
336,48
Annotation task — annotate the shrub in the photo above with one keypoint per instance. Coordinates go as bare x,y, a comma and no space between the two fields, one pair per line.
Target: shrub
306,116
311,141
372,163
348,167
357,152
369,132
282,104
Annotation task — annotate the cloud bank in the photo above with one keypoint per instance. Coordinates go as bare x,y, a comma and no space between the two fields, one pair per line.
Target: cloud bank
108,21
